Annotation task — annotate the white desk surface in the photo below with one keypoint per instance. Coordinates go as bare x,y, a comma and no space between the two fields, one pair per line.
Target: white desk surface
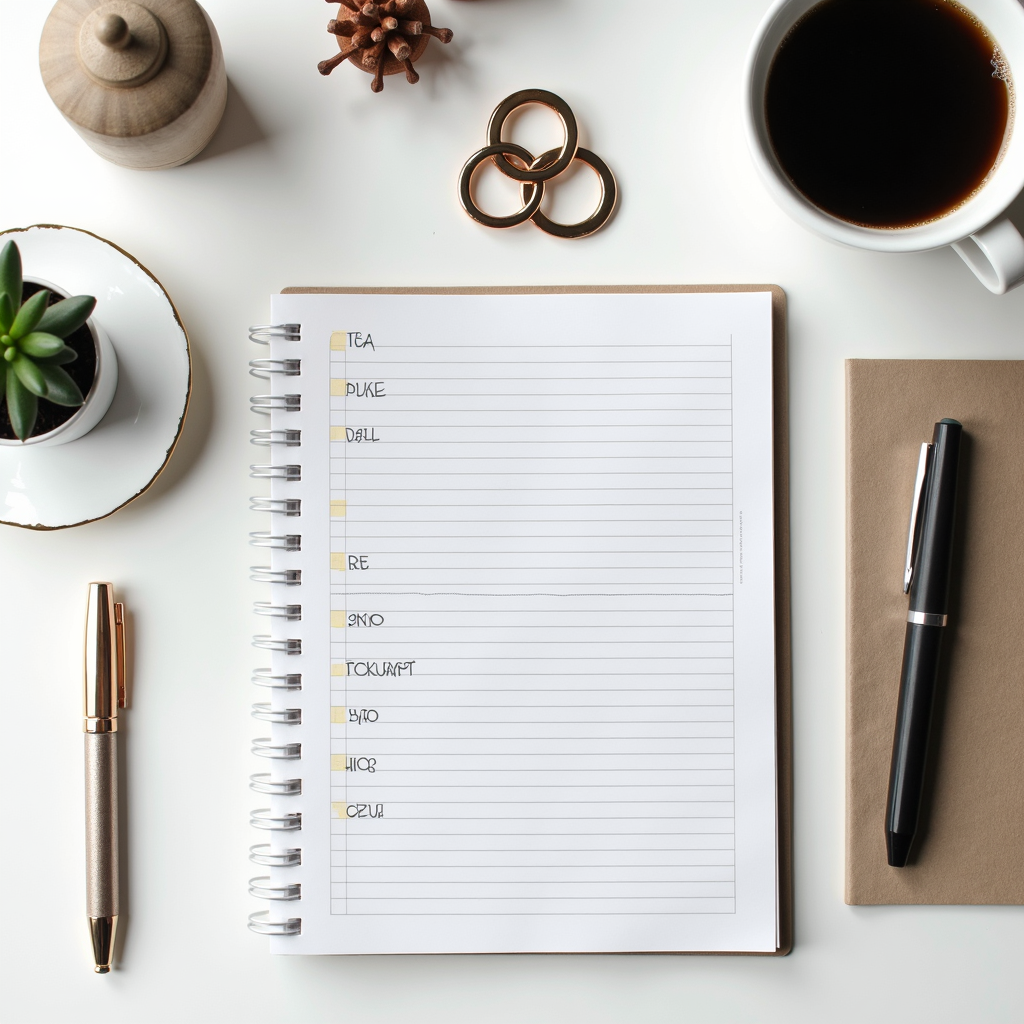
318,181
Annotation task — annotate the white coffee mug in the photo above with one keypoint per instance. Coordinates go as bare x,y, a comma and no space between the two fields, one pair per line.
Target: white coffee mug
978,230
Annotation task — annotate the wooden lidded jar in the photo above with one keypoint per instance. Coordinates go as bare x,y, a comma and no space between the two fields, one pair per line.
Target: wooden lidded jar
143,83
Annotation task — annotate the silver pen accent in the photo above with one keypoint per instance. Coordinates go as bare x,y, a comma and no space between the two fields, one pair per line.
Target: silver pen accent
105,694
915,508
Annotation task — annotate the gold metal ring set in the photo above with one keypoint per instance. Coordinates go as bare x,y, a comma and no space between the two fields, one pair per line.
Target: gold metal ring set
533,173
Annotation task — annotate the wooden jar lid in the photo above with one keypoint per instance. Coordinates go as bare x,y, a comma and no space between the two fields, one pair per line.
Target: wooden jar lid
122,68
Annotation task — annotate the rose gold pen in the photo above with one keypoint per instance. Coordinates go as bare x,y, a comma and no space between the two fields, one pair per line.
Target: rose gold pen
104,694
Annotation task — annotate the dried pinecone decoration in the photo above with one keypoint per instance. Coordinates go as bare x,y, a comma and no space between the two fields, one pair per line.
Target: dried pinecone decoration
382,39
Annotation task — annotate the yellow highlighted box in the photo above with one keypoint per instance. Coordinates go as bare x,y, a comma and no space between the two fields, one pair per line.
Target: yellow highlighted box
340,810
339,762
337,716
339,341
338,434
338,560
338,387
338,509
339,668
338,619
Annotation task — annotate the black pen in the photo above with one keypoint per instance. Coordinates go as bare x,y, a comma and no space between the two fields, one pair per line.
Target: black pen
927,578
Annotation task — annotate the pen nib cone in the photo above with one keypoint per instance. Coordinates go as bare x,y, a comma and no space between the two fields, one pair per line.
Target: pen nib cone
103,930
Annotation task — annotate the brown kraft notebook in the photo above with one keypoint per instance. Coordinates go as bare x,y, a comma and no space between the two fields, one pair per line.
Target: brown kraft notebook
972,831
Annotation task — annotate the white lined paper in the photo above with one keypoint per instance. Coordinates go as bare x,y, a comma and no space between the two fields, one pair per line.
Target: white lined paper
543,720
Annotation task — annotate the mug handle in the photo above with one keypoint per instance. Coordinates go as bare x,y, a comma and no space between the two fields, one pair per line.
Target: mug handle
996,255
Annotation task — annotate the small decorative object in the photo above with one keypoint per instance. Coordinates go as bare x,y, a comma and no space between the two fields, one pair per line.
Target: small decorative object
41,332
533,173
136,403
383,38
143,84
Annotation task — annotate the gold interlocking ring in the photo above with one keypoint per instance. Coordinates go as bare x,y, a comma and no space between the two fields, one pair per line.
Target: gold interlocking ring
531,206
609,195
532,173
570,143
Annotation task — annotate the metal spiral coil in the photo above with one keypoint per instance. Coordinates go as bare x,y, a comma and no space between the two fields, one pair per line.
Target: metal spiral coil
262,925
290,472
284,893
276,506
264,334
280,542
267,368
288,681
264,746
262,854
269,643
289,716
263,818
286,577
276,438
260,783
266,404
291,612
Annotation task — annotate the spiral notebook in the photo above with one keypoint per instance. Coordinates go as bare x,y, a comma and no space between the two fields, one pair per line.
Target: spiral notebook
528,642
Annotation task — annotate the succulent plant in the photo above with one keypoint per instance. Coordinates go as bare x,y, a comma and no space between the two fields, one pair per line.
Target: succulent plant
32,337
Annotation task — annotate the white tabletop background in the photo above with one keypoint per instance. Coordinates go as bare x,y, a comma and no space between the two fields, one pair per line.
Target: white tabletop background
314,181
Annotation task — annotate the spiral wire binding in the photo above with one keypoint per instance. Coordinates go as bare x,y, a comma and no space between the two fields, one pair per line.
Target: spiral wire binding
264,334
264,746
286,577
260,783
278,438
289,716
276,506
292,612
292,472
265,677
265,819
273,892
267,368
282,542
265,642
264,855
266,404
260,924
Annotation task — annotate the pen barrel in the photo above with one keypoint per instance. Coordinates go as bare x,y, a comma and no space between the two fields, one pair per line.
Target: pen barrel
918,683
933,563
101,825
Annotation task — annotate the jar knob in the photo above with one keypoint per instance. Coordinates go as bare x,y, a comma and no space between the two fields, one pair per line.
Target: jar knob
122,44
113,31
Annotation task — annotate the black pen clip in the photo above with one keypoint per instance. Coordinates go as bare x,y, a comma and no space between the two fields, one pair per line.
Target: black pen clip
923,465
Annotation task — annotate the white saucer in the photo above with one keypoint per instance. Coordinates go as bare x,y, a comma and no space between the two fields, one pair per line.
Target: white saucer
88,479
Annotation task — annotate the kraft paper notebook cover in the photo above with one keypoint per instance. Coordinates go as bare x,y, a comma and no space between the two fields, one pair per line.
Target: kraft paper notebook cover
972,837
529,626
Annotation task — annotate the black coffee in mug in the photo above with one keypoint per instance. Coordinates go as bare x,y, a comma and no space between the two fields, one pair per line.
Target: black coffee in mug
888,113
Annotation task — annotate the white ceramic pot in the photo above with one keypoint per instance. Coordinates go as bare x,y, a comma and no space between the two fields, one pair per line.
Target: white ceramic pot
98,399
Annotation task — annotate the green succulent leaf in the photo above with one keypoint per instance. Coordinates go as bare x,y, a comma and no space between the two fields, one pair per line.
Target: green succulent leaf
64,356
29,315
22,407
67,315
60,388
10,273
6,312
30,375
41,345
